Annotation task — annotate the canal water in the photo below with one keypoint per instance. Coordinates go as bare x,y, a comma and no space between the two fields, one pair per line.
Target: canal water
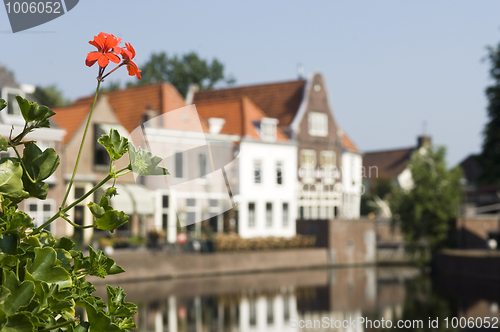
341,299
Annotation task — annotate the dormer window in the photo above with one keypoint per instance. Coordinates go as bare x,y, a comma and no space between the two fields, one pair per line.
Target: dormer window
268,129
13,112
318,124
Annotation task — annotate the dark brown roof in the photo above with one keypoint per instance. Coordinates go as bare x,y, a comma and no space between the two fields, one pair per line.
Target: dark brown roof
389,163
277,100
7,79
472,169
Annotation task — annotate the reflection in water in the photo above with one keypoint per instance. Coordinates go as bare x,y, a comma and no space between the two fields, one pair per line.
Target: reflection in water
278,301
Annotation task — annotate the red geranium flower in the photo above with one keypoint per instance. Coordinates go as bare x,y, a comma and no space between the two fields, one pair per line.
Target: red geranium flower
128,54
107,48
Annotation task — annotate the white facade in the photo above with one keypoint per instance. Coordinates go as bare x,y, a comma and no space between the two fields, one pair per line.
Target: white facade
352,184
267,206
210,176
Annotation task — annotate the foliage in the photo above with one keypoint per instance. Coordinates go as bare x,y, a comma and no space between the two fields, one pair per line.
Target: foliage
50,96
490,155
425,211
381,187
43,278
183,71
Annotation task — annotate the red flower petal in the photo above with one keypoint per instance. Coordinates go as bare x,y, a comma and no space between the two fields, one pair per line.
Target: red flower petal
103,61
113,57
90,63
93,56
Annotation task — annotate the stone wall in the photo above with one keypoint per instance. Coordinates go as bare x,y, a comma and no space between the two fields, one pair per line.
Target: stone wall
147,265
348,242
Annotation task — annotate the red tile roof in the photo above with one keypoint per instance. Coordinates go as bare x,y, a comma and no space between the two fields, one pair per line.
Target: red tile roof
240,115
388,163
278,100
347,143
70,118
129,106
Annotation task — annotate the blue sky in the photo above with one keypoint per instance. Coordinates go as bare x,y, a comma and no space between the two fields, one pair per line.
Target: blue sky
389,65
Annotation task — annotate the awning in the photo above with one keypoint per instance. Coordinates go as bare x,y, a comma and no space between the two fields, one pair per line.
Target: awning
133,199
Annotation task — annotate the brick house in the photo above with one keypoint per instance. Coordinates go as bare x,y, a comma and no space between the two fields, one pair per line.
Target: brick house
305,115
11,119
123,110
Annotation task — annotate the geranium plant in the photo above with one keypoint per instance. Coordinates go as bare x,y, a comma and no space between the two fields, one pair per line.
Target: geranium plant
43,278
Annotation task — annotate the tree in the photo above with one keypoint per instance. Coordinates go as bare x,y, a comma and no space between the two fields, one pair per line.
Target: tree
183,71
50,96
489,158
426,211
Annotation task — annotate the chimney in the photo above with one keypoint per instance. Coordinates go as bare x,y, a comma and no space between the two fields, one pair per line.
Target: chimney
215,125
423,140
300,71
192,89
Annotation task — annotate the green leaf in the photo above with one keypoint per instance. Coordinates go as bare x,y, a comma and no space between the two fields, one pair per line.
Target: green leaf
17,221
11,183
116,145
19,323
32,112
144,163
126,323
99,320
112,220
116,303
44,268
21,293
107,218
3,144
9,243
38,189
100,265
64,243
40,165
3,104
110,192
97,210
4,293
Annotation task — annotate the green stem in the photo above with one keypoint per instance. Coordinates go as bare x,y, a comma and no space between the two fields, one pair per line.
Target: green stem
57,326
81,145
69,207
73,224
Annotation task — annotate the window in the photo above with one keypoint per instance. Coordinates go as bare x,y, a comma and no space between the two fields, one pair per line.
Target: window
307,163
179,165
79,192
308,158
9,94
257,172
251,214
286,307
270,311
318,124
279,172
101,156
285,214
40,211
253,312
268,129
327,158
269,214
165,201
202,163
